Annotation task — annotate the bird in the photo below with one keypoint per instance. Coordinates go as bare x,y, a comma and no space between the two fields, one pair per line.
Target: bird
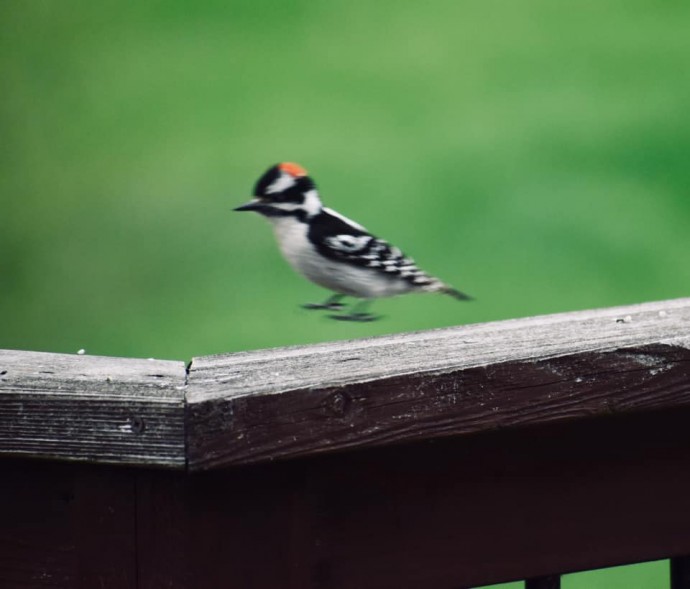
333,251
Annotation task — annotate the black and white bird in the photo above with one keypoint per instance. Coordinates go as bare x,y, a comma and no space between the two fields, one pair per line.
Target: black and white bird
333,251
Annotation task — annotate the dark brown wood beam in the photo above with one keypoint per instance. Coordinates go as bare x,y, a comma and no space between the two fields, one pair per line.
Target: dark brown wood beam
448,513
264,405
524,449
291,402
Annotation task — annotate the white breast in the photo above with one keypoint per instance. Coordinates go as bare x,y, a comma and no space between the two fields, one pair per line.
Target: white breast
340,277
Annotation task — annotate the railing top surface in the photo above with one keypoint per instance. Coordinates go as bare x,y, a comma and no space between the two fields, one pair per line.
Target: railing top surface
462,347
287,402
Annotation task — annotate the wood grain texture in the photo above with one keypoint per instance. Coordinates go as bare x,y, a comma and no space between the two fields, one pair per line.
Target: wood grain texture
92,408
281,403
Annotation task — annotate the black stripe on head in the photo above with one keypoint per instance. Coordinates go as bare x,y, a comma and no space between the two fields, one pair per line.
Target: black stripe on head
269,177
293,192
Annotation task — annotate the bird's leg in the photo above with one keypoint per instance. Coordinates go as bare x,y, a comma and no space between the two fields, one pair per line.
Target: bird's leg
332,303
358,313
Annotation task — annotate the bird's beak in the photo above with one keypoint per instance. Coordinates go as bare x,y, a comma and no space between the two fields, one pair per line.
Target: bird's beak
252,205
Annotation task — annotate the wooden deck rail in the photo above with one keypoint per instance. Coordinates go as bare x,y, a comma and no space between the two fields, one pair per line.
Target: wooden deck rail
519,449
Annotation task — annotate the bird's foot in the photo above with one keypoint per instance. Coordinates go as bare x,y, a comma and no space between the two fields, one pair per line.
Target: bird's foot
323,306
360,317
330,304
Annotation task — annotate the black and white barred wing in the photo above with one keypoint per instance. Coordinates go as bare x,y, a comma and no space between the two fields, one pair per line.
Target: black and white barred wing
338,238
370,252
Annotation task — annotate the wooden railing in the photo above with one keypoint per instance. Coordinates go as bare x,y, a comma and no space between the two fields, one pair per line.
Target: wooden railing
519,449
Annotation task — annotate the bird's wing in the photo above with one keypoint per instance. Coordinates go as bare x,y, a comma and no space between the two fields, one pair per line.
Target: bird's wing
338,238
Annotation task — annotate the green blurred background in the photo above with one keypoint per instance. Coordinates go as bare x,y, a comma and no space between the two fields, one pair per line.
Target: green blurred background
533,154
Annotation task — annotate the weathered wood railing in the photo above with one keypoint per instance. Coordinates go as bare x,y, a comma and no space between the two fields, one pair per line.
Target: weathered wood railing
520,449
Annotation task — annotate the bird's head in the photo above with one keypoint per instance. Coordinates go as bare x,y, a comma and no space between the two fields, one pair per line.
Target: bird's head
285,190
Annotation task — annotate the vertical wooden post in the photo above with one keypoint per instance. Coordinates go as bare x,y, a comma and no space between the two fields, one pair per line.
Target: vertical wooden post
680,572
550,582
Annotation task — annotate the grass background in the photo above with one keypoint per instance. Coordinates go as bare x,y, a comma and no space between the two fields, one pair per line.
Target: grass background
533,154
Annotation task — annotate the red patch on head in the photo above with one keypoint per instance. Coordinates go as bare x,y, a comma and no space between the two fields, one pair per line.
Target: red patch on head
294,170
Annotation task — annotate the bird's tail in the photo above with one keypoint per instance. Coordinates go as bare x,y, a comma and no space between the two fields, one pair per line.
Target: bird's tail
456,294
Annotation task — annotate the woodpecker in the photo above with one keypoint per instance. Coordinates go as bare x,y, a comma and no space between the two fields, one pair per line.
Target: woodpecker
333,251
